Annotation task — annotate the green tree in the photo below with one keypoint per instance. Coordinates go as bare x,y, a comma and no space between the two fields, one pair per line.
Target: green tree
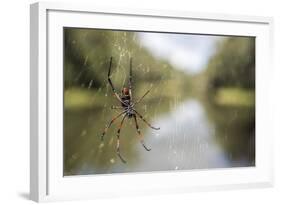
233,65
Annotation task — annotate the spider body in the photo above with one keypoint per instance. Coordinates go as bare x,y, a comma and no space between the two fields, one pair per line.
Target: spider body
127,103
128,110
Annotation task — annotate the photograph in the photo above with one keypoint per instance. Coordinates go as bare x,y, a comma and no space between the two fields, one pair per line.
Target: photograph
149,101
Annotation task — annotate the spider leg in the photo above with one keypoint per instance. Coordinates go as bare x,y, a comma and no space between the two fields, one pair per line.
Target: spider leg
139,100
141,117
140,135
118,140
110,123
130,79
111,84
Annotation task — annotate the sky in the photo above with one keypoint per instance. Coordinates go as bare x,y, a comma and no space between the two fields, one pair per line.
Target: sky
188,52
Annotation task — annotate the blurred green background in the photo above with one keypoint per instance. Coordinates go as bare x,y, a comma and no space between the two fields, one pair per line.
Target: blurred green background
207,118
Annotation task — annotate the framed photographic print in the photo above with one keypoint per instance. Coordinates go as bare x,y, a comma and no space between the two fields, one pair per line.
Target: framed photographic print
127,102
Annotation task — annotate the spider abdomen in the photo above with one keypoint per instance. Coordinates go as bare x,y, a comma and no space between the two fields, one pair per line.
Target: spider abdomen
126,101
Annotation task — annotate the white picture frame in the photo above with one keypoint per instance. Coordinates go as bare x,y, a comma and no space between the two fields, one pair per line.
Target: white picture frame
47,182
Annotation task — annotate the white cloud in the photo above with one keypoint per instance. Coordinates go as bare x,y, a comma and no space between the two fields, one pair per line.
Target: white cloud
184,51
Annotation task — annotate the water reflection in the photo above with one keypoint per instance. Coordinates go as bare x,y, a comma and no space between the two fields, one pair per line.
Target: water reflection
188,139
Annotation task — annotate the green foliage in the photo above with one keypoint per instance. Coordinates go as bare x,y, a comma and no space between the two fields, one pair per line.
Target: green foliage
87,53
233,65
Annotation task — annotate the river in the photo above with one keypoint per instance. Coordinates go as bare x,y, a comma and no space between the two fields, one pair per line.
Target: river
191,137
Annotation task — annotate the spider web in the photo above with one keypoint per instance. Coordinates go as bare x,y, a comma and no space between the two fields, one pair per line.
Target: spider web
192,134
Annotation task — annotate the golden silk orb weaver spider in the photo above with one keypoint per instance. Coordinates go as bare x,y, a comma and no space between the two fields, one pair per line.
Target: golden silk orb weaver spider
128,110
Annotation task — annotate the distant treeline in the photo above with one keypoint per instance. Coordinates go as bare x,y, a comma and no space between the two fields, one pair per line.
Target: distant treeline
87,54
233,65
